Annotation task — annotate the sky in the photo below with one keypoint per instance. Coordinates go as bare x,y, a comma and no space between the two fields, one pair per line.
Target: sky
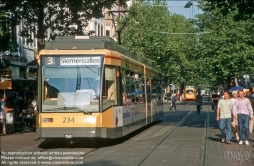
178,8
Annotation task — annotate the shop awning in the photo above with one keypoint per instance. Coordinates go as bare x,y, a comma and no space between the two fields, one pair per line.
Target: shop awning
32,63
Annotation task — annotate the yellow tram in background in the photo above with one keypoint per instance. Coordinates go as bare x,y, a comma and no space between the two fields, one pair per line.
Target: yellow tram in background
90,87
190,93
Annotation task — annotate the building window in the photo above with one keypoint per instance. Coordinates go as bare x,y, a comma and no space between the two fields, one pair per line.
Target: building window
98,30
101,31
95,29
107,33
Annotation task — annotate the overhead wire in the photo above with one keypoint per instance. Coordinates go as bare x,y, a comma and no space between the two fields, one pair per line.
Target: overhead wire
170,33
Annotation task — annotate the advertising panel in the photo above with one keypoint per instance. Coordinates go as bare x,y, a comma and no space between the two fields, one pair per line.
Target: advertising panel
118,116
127,115
6,81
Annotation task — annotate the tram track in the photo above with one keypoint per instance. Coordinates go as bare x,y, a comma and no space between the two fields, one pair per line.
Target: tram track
206,139
204,144
162,140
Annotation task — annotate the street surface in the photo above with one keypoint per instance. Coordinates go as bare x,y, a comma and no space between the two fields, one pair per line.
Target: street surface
181,138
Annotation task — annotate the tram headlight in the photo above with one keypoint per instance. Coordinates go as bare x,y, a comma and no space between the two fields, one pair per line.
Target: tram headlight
47,120
90,119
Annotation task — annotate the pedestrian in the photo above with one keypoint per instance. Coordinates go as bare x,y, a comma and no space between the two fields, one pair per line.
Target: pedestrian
16,103
252,104
199,100
215,100
2,113
34,112
224,116
243,110
234,120
173,100
221,90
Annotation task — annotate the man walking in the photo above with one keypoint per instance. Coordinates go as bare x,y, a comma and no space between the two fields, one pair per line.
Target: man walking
252,104
234,120
224,112
173,100
243,110
199,100
215,99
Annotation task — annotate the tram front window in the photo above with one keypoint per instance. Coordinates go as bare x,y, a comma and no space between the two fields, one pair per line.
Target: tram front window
71,89
189,91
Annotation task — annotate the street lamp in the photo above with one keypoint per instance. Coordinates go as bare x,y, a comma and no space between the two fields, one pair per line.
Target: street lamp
246,77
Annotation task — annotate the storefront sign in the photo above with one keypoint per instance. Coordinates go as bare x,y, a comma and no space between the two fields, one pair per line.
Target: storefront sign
6,79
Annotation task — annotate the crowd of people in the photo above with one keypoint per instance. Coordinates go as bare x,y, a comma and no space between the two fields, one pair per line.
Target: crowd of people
21,106
235,115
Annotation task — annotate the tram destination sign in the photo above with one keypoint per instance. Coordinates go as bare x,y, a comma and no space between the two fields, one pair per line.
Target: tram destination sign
80,61
70,61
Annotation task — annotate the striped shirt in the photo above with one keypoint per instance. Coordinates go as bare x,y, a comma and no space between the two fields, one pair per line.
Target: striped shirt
243,107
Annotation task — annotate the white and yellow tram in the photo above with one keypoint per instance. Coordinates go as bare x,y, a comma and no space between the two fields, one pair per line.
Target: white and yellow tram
92,87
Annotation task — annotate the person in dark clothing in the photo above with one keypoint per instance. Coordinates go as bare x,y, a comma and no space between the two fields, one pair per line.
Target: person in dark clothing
215,100
199,100
173,100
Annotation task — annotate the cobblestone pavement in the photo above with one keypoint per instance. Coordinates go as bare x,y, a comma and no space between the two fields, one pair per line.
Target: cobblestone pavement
19,141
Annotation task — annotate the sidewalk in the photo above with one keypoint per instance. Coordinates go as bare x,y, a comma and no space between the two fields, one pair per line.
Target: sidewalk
219,153
10,129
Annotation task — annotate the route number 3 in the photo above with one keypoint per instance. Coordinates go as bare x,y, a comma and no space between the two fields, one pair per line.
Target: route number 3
68,119
50,61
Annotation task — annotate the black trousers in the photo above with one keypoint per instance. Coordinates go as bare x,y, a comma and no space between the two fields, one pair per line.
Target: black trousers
198,108
173,105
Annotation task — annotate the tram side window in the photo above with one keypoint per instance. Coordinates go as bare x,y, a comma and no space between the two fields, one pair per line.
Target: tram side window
126,87
139,90
159,91
109,88
133,89
129,87
156,90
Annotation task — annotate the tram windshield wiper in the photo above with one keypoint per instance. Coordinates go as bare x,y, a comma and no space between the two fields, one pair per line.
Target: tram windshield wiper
67,108
80,110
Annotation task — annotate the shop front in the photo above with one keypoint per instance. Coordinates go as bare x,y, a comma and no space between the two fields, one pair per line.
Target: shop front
17,86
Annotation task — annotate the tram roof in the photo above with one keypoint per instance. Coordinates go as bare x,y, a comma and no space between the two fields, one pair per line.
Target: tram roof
91,42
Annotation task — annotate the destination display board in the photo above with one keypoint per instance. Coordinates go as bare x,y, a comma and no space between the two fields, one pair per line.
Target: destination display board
72,60
6,80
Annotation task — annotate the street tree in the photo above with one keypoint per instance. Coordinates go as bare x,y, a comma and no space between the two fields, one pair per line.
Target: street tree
244,8
228,49
56,17
155,33
2,18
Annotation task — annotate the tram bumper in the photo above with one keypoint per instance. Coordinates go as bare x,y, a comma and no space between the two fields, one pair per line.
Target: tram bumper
77,132
73,132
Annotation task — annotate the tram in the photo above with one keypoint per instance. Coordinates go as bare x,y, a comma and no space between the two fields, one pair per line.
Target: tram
190,93
90,87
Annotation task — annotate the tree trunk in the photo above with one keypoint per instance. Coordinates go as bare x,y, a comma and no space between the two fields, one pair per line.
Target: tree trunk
236,81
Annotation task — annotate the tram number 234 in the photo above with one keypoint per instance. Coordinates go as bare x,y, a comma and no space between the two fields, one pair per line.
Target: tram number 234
68,119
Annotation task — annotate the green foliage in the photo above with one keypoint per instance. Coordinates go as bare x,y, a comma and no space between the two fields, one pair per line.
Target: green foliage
228,50
57,15
224,49
244,8
152,31
2,17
